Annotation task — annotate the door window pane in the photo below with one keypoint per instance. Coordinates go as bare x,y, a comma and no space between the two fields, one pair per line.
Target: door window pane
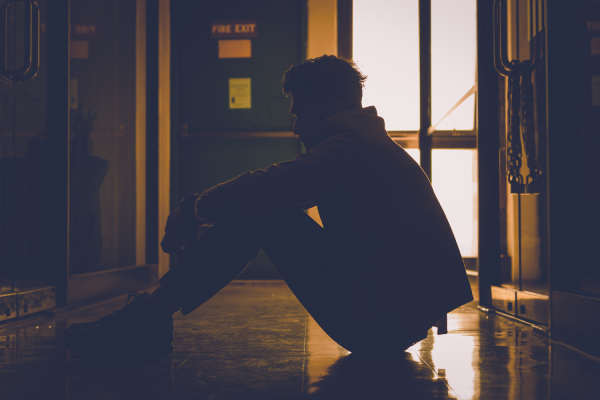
102,101
386,47
27,158
453,59
454,174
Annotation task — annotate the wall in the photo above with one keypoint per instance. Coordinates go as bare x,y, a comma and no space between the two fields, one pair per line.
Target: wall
215,143
322,28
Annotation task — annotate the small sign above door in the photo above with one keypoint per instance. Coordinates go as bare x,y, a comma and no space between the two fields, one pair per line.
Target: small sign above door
233,29
83,30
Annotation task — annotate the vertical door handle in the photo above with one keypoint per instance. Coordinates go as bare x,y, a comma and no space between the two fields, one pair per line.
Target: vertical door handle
501,62
34,60
31,40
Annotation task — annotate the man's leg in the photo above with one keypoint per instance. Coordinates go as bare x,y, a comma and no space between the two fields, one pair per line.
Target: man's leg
320,268
325,270
143,330
205,267
331,275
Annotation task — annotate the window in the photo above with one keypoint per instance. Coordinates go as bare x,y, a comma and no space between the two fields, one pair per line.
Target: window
454,175
386,47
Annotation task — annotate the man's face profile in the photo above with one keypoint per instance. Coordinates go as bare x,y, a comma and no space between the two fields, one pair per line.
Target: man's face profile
308,114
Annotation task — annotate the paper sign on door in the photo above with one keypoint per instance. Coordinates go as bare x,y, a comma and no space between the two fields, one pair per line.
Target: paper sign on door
239,93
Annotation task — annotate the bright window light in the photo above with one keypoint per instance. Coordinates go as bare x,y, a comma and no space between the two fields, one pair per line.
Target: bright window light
386,47
453,58
454,180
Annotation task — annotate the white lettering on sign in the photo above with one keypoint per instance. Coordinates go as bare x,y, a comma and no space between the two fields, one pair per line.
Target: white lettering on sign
593,25
239,29
84,29
221,29
247,28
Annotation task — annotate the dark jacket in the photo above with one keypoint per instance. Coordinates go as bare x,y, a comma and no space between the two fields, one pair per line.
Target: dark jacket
371,192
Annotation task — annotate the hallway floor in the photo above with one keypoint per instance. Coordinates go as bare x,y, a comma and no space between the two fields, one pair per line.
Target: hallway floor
254,340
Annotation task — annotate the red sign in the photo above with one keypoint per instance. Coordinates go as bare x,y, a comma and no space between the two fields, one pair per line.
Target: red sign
233,29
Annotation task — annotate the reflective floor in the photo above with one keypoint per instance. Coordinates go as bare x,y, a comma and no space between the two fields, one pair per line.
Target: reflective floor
255,341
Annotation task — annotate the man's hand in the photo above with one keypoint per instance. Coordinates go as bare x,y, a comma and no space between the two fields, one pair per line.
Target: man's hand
182,227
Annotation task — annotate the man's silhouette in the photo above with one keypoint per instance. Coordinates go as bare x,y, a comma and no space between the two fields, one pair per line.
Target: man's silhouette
379,273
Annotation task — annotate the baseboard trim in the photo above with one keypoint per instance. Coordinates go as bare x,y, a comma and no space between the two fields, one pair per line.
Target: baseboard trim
84,289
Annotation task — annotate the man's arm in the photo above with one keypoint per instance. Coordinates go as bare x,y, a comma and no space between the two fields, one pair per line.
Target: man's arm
334,163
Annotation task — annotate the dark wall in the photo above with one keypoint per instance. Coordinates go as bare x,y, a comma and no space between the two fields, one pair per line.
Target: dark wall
215,143
573,140
202,87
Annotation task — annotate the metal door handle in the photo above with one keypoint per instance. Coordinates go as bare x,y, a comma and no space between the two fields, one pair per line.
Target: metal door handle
501,62
500,52
31,41
34,64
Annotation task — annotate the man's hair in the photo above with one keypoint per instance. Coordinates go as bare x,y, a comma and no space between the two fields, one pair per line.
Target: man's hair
325,77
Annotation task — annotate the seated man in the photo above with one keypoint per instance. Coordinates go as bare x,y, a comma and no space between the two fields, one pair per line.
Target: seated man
380,272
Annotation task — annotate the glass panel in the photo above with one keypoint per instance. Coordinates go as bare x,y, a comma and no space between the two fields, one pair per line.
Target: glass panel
523,226
25,164
454,174
453,61
386,46
102,101
524,244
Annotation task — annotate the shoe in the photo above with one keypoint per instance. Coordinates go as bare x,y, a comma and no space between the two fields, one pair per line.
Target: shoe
134,334
131,294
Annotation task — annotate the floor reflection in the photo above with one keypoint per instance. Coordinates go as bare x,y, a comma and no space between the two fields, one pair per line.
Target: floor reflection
353,377
255,341
453,359
324,353
331,372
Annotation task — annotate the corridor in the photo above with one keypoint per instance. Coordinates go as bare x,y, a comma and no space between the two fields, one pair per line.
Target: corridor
254,340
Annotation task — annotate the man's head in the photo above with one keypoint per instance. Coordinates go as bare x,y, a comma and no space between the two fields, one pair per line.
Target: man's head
321,87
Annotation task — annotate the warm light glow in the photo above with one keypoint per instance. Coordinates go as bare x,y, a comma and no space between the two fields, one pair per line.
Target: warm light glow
386,47
453,59
454,181
452,358
327,350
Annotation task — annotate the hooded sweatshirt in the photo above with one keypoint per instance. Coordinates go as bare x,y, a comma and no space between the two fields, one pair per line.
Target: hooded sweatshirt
372,193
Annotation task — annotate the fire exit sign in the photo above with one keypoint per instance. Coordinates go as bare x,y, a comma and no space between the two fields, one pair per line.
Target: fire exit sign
233,29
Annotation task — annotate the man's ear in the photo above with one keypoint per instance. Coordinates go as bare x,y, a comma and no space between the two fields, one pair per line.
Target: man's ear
334,106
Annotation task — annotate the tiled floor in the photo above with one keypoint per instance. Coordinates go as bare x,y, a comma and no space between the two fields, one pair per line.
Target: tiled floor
255,341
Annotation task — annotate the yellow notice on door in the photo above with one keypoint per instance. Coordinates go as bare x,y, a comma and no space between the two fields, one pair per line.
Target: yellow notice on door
239,93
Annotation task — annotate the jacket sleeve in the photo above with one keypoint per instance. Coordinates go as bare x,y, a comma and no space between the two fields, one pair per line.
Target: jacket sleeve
332,164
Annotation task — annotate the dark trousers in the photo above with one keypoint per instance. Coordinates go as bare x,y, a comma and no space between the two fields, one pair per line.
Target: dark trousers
325,270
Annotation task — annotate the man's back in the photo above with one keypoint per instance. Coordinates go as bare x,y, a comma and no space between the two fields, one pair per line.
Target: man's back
390,211
375,201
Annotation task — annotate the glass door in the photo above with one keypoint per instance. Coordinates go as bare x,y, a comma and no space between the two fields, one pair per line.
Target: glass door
385,43
103,136
523,289
107,191
26,165
72,190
